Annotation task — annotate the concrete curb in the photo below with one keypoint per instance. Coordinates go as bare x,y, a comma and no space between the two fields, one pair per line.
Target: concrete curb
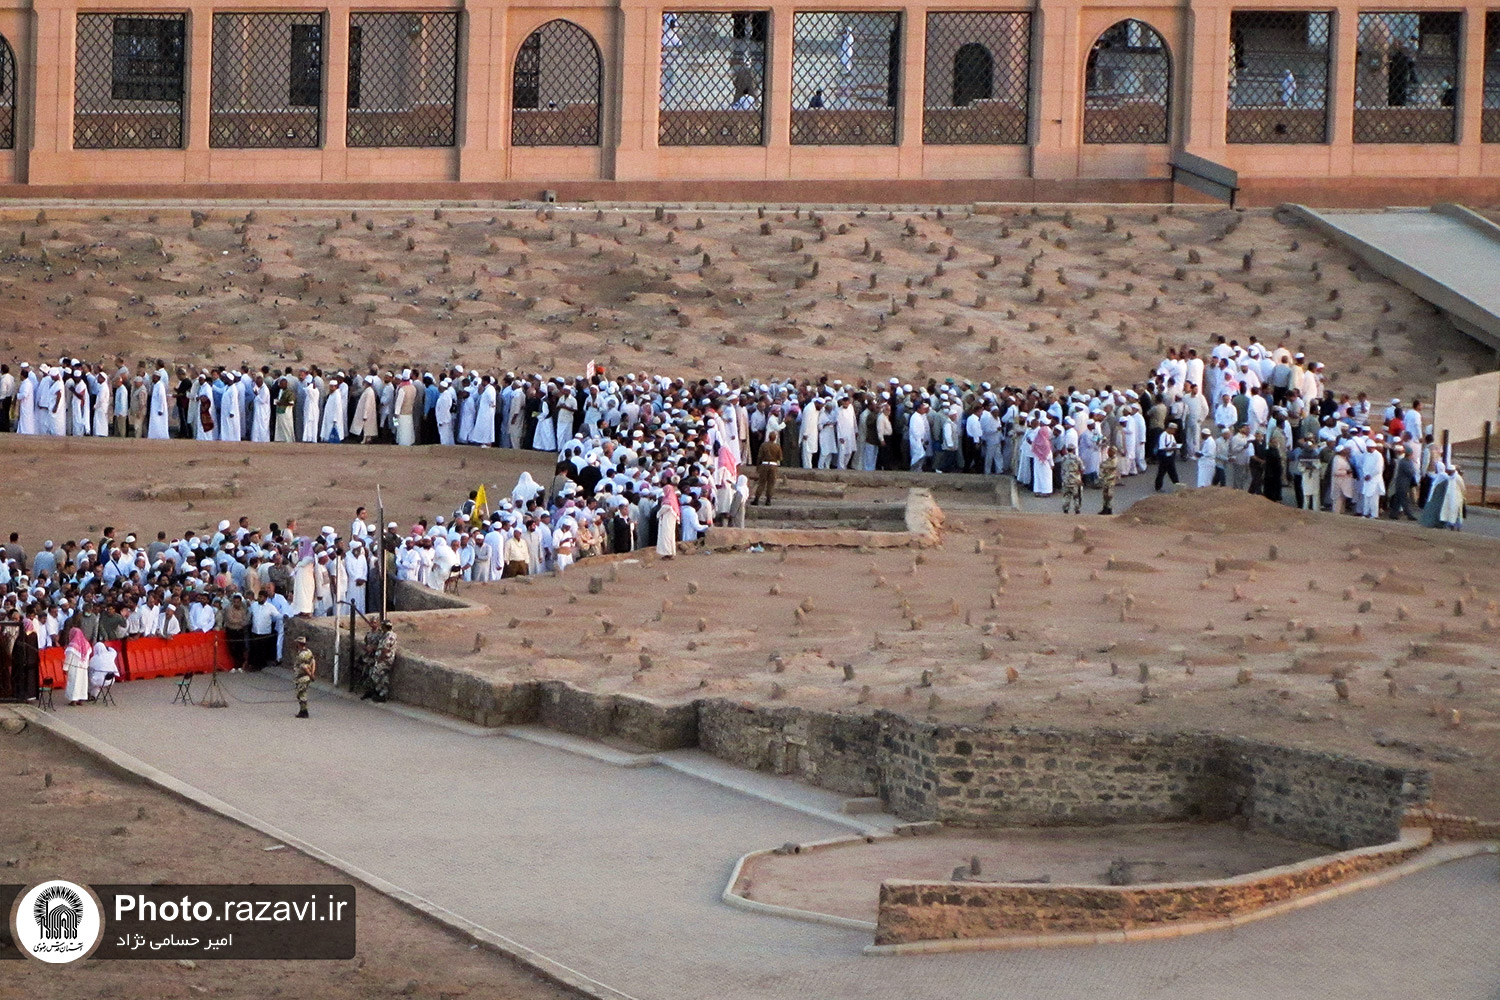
734,899
837,819
1429,858
543,966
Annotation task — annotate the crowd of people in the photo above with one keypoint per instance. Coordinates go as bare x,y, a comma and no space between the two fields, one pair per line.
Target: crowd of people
1247,416
647,461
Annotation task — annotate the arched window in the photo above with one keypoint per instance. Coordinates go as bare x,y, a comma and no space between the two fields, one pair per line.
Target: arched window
7,95
973,75
556,88
1128,86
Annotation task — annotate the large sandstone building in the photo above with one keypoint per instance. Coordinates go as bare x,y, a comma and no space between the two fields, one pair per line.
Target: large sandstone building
829,101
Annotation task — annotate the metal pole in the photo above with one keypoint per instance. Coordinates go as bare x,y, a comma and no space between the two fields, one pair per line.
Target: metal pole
1484,470
352,645
385,583
1447,452
335,645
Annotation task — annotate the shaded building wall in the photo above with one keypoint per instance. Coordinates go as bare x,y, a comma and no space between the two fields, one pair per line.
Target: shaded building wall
1055,164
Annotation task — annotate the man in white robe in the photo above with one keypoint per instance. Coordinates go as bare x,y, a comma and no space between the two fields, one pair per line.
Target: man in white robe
845,428
230,417
357,571
156,426
26,401
443,412
260,418
365,423
484,415
334,410
310,415
404,409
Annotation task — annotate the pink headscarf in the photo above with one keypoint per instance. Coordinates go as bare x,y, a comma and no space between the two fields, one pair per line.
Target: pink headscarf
1041,445
78,644
727,461
669,498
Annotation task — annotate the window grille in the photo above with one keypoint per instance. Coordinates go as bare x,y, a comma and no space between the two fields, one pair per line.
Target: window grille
1406,78
713,71
7,95
403,79
1127,86
557,88
1489,130
128,81
845,78
978,78
1278,76
267,81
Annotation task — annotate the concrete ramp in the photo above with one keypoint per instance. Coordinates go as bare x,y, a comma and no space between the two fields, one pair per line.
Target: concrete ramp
1448,255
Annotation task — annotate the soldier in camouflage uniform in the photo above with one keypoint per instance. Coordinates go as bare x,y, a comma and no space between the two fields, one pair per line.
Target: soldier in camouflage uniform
365,663
305,668
1109,475
385,662
1072,482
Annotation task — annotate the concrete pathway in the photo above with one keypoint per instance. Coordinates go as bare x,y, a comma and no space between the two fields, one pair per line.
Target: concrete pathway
1448,255
615,871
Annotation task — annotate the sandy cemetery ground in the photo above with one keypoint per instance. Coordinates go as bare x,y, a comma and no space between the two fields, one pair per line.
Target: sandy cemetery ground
66,812
1052,295
845,879
1246,613
1248,618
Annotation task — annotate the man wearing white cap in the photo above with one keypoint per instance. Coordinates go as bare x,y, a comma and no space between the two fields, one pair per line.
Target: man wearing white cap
365,424
26,401
403,411
156,424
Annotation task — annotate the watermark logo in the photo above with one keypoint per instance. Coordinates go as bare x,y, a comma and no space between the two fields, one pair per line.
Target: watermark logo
57,922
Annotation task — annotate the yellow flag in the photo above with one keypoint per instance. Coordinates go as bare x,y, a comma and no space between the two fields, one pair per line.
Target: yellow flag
481,502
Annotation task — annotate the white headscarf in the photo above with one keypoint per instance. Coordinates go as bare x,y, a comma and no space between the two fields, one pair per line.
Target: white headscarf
526,489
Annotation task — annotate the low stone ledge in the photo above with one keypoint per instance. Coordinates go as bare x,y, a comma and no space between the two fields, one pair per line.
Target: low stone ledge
1452,826
913,911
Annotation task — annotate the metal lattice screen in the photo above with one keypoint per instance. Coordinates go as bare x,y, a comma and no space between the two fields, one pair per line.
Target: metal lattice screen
713,71
1405,78
403,79
1127,86
128,81
1489,130
267,81
845,73
7,95
557,88
1278,76
978,73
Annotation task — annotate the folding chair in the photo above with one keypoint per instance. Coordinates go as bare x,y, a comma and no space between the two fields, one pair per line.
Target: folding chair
44,696
184,689
106,696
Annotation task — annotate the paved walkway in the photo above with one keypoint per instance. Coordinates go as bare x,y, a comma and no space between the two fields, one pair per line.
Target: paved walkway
616,871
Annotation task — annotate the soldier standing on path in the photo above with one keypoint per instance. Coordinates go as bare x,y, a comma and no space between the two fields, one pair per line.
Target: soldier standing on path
385,662
1109,475
303,672
1072,482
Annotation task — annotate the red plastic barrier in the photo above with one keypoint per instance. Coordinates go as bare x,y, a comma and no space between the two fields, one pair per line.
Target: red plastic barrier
149,657
51,667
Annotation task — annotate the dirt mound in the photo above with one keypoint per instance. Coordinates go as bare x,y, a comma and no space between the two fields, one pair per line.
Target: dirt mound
1216,509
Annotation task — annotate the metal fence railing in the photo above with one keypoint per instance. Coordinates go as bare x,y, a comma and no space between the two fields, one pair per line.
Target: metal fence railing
267,81
978,78
128,81
713,72
1278,76
557,88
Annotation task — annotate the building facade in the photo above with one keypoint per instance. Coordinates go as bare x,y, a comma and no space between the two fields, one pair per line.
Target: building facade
829,101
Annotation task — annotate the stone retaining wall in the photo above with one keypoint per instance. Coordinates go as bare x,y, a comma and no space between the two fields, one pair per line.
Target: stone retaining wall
964,775
935,911
990,776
